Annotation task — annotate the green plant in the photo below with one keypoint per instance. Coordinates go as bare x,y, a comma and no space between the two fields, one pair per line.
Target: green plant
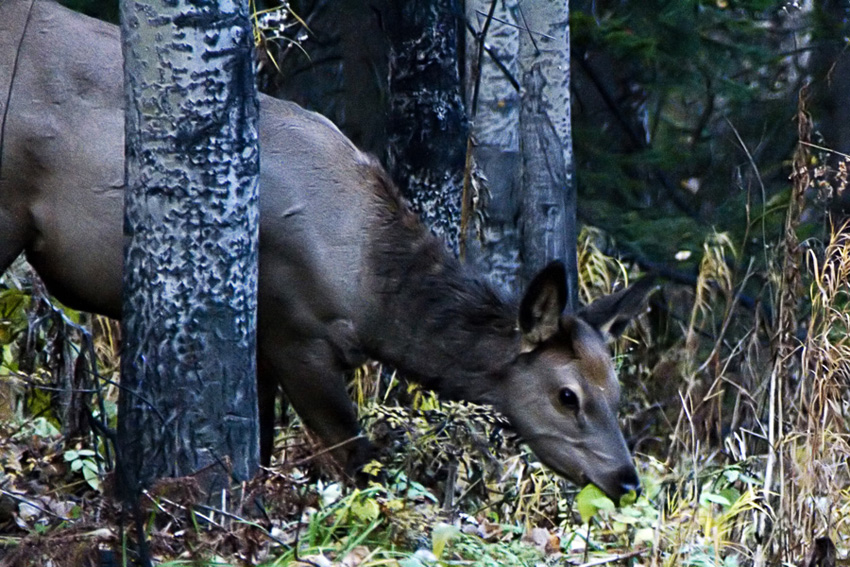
83,461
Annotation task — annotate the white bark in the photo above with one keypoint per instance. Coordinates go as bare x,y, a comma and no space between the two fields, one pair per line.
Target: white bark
188,401
427,128
495,128
548,223
523,140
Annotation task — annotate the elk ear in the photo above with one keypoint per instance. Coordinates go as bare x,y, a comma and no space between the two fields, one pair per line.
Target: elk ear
541,306
611,314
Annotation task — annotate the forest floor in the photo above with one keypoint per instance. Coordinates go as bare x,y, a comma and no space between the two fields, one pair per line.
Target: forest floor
740,440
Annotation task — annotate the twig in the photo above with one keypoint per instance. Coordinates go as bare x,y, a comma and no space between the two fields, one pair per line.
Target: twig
20,498
481,36
823,149
513,25
758,178
327,450
526,28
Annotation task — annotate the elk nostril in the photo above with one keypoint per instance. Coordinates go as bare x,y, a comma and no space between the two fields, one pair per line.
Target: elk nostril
636,487
629,481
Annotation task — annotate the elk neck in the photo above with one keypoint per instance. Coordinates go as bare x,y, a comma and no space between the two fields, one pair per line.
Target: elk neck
432,320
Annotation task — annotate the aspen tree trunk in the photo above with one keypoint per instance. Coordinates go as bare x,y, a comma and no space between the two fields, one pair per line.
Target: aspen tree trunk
188,401
518,91
493,101
548,203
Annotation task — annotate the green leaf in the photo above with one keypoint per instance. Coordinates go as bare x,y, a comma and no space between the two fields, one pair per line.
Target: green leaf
732,475
706,497
372,468
730,494
42,427
441,535
628,499
590,500
10,361
644,535
13,304
91,476
366,510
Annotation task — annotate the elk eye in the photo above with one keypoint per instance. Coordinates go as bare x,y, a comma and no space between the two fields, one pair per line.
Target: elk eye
568,398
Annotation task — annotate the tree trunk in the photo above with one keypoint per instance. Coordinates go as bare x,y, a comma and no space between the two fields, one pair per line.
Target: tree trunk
188,401
519,96
548,202
427,127
493,95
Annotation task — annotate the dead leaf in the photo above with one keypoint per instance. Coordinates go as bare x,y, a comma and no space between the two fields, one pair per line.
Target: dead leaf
356,556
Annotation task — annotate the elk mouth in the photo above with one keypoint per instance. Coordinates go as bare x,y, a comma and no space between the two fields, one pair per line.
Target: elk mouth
582,479
623,481
616,486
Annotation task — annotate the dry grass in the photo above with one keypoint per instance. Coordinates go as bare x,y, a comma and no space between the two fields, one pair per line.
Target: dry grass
748,463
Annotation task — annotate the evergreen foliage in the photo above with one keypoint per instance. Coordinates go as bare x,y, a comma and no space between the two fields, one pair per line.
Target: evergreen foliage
681,117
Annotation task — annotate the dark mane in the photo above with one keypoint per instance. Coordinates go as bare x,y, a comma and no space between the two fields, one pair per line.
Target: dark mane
437,304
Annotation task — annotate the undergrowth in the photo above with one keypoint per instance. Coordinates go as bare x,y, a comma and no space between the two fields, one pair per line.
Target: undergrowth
736,411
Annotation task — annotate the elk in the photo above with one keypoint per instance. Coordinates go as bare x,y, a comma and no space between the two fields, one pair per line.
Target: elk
347,271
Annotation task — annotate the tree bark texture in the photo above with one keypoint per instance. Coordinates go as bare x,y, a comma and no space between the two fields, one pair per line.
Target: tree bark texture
548,203
523,143
188,366
494,114
427,128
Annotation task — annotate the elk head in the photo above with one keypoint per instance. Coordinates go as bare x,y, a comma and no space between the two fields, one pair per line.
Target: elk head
561,392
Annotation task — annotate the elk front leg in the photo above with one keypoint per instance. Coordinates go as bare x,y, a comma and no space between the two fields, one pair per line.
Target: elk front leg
315,386
267,387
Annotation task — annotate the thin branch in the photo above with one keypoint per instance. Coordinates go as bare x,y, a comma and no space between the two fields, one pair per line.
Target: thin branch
495,59
480,37
20,498
822,148
526,28
513,25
